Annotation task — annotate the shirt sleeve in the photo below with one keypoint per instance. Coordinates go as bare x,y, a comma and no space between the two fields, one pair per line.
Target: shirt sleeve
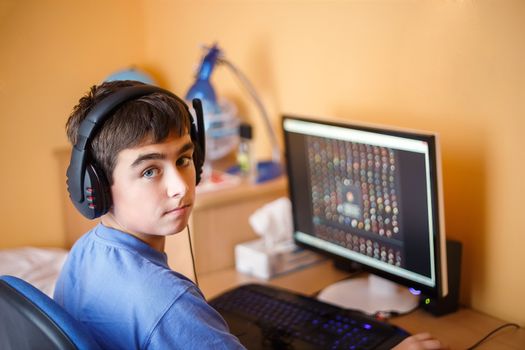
190,323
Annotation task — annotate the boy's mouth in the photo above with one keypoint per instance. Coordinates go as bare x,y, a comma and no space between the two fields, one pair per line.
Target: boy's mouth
178,209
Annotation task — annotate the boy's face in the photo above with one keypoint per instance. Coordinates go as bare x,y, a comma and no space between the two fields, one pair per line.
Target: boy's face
154,188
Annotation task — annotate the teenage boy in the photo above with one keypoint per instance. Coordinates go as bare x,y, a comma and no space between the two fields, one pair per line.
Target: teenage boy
116,279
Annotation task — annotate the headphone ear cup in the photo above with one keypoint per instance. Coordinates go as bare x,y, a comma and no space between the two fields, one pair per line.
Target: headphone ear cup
198,154
97,194
198,137
198,160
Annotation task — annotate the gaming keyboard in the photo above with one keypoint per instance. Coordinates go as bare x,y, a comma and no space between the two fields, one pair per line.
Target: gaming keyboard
267,317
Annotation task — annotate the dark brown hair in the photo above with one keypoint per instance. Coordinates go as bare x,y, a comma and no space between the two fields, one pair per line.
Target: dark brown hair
149,118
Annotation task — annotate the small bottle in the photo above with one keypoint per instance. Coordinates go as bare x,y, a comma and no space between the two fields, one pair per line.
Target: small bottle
245,157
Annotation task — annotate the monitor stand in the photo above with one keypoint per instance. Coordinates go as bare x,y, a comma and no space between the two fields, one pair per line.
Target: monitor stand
370,294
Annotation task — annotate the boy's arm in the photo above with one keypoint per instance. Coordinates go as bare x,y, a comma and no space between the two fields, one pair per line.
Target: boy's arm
191,323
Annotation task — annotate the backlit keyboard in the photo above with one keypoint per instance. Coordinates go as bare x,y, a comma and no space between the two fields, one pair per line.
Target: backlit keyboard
266,317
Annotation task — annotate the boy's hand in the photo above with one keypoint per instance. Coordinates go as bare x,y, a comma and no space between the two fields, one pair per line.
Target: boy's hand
420,341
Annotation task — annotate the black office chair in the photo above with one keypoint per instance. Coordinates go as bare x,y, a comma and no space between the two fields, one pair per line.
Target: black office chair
29,319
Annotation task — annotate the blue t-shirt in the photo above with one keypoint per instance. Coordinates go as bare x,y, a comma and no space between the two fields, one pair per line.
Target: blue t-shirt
129,298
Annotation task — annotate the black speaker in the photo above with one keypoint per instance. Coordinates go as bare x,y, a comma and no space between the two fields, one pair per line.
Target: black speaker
450,303
86,183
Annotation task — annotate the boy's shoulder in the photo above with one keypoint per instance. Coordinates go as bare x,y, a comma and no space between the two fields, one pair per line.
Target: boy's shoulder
122,258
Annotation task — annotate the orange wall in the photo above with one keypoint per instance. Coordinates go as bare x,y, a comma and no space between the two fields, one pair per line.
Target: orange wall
51,53
455,67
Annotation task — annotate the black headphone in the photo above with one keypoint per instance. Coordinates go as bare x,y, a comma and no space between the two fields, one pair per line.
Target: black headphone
87,185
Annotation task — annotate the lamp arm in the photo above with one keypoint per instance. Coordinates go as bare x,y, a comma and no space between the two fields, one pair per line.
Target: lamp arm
276,154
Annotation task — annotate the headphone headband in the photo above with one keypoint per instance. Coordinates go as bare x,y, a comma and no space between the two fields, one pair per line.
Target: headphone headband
102,110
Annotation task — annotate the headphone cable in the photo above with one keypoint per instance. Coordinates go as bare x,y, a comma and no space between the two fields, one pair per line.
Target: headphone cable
192,257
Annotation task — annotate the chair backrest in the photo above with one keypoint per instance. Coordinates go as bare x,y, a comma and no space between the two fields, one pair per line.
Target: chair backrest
29,319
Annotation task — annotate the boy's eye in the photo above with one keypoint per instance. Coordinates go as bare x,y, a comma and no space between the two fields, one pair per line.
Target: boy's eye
184,161
149,173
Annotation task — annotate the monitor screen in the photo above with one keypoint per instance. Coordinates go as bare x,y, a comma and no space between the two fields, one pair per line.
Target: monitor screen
370,195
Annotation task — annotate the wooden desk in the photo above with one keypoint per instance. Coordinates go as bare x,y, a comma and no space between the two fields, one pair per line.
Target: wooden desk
459,330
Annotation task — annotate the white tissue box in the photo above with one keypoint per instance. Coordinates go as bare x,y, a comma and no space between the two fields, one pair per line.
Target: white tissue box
255,259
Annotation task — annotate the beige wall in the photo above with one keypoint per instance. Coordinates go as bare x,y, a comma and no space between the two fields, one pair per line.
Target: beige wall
455,67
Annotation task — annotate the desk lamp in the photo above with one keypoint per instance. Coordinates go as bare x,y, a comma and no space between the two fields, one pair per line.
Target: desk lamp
220,121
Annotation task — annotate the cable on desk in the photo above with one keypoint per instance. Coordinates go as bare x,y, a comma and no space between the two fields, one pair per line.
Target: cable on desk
492,332
192,257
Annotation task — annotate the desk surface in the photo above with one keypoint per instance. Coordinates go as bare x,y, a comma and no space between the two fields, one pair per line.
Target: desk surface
459,330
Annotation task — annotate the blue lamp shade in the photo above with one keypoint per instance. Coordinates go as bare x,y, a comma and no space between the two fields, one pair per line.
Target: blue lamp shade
202,88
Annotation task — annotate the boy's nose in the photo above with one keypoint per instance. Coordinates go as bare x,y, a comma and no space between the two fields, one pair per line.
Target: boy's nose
176,185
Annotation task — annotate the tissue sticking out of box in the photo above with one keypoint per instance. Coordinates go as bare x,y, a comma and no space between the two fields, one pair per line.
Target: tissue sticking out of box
273,222
275,253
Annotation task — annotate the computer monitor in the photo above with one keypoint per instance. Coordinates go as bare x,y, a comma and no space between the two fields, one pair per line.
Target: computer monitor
370,195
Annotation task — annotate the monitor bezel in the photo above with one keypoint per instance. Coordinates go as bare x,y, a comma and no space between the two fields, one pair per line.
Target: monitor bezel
439,237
